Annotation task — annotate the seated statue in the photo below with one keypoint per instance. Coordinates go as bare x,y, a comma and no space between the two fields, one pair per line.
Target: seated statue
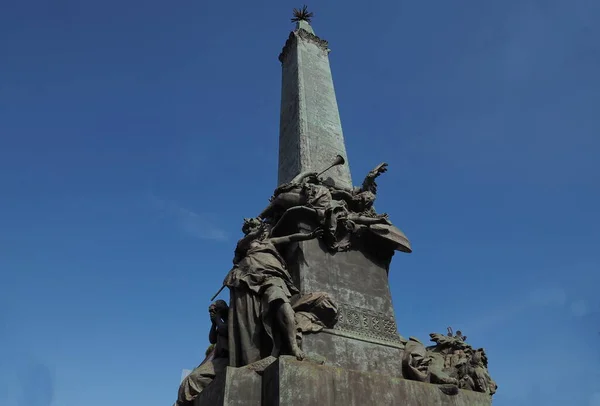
476,376
217,357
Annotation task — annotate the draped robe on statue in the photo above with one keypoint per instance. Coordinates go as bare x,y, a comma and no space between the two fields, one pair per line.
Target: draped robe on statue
256,283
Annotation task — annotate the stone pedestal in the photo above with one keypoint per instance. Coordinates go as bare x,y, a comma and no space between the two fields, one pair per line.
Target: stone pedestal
365,337
287,382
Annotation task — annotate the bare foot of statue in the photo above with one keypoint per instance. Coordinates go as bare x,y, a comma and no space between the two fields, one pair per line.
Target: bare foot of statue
298,353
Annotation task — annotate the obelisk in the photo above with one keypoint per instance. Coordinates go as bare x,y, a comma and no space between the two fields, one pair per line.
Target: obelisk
310,138
358,359
310,130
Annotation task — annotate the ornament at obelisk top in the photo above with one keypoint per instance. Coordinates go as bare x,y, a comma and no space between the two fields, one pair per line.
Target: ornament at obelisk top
302,18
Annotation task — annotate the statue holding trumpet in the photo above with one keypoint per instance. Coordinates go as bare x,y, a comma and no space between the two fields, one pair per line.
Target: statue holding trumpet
330,203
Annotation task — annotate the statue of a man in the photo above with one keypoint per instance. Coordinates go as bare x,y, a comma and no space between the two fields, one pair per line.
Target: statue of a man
477,376
216,360
261,318
415,362
361,199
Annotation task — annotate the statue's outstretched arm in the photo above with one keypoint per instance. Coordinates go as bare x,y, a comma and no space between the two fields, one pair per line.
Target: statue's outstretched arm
303,175
296,237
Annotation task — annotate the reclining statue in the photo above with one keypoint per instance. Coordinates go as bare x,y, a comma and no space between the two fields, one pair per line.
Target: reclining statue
331,204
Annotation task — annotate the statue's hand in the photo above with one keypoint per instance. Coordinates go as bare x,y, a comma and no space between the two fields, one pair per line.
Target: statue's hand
317,233
312,176
379,169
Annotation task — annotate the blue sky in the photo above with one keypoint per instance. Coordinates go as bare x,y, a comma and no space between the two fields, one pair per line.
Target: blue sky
135,136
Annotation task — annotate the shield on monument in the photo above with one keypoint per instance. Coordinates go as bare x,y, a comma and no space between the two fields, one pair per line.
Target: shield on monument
393,235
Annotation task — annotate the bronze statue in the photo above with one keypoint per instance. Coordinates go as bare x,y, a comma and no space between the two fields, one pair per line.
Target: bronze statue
415,362
331,204
458,335
362,215
308,191
451,361
217,356
476,376
313,312
361,199
262,319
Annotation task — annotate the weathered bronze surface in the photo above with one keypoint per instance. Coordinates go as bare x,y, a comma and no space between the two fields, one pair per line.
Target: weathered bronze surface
217,356
450,362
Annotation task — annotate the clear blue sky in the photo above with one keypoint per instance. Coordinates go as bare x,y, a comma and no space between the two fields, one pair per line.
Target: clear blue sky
135,136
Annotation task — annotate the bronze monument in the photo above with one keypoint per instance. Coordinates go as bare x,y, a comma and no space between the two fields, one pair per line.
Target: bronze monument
310,309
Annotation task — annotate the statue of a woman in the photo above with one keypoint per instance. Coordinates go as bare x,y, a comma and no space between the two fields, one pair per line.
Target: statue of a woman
261,321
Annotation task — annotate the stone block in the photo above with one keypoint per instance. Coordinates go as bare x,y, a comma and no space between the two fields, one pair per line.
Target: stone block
365,337
237,387
353,353
292,383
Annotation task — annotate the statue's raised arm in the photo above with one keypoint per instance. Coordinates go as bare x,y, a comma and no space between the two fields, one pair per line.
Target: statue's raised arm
369,184
361,198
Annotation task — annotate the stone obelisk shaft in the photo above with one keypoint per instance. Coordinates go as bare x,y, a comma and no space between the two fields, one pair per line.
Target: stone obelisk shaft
310,130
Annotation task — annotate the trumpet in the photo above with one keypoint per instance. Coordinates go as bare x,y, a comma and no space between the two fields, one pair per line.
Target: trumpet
339,160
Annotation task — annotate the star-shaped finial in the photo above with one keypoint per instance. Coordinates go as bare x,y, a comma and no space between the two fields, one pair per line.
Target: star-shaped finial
302,15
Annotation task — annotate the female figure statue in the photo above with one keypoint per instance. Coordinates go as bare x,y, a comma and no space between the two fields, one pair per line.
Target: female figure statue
261,321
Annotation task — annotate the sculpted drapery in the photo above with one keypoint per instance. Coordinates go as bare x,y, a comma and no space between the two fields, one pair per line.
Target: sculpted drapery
262,321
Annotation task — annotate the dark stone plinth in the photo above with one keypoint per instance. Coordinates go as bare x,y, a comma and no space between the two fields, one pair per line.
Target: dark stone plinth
365,337
292,383
288,382
237,387
353,353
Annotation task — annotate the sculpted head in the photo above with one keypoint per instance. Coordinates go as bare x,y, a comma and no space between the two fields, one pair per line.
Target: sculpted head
219,307
250,225
366,199
415,362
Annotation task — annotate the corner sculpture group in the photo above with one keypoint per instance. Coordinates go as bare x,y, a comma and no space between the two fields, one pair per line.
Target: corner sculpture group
267,315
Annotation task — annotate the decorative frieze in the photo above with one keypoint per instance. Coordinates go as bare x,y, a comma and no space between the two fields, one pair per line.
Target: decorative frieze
366,323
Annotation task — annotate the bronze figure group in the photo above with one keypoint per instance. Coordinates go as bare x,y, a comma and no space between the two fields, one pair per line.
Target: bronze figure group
267,315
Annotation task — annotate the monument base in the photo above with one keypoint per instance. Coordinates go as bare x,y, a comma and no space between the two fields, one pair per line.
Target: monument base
289,382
